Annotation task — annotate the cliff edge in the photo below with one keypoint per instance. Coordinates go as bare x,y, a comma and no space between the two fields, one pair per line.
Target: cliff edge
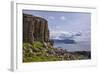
35,29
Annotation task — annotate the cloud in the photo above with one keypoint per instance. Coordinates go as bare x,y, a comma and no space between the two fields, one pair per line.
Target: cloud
64,35
60,34
63,18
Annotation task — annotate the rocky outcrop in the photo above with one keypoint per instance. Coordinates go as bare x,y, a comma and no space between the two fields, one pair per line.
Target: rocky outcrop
35,29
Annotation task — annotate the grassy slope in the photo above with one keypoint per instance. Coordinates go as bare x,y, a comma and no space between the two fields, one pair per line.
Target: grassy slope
38,52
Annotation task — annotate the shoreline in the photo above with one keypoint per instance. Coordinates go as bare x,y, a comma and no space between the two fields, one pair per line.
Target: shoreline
39,53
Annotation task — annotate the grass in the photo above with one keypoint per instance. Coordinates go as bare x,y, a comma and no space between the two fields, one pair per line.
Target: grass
36,52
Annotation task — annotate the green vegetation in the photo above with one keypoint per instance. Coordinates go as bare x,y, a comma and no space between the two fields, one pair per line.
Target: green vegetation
38,52
37,44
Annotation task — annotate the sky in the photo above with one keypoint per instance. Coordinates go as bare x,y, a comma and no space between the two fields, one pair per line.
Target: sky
67,24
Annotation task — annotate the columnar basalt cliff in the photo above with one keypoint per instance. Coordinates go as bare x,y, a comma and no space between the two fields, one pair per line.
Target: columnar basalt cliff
35,29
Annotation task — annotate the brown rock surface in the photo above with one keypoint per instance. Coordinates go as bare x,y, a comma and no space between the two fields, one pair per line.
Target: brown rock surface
35,29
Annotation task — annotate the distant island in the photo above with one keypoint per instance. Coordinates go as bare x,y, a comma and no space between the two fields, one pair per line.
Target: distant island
38,47
66,41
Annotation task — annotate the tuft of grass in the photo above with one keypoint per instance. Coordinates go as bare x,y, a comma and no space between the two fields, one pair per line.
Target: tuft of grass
27,45
37,44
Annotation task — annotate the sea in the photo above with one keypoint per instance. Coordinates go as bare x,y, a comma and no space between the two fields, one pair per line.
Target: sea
78,46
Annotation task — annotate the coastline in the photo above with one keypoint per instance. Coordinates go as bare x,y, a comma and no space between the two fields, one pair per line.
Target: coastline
40,53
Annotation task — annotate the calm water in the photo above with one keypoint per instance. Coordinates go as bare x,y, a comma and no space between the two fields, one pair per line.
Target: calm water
79,46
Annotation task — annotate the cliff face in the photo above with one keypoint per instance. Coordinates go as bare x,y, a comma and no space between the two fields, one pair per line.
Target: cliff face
35,29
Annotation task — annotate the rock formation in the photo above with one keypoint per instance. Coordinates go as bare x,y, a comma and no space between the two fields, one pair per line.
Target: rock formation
35,29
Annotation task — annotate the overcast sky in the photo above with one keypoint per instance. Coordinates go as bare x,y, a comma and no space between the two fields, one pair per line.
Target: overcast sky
68,23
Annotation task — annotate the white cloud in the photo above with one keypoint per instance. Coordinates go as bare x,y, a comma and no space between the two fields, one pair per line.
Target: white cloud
63,18
58,34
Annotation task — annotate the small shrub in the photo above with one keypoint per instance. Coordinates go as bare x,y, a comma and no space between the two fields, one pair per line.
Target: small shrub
37,44
26,45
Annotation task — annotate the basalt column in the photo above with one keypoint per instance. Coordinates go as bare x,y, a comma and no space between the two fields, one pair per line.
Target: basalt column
35,29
